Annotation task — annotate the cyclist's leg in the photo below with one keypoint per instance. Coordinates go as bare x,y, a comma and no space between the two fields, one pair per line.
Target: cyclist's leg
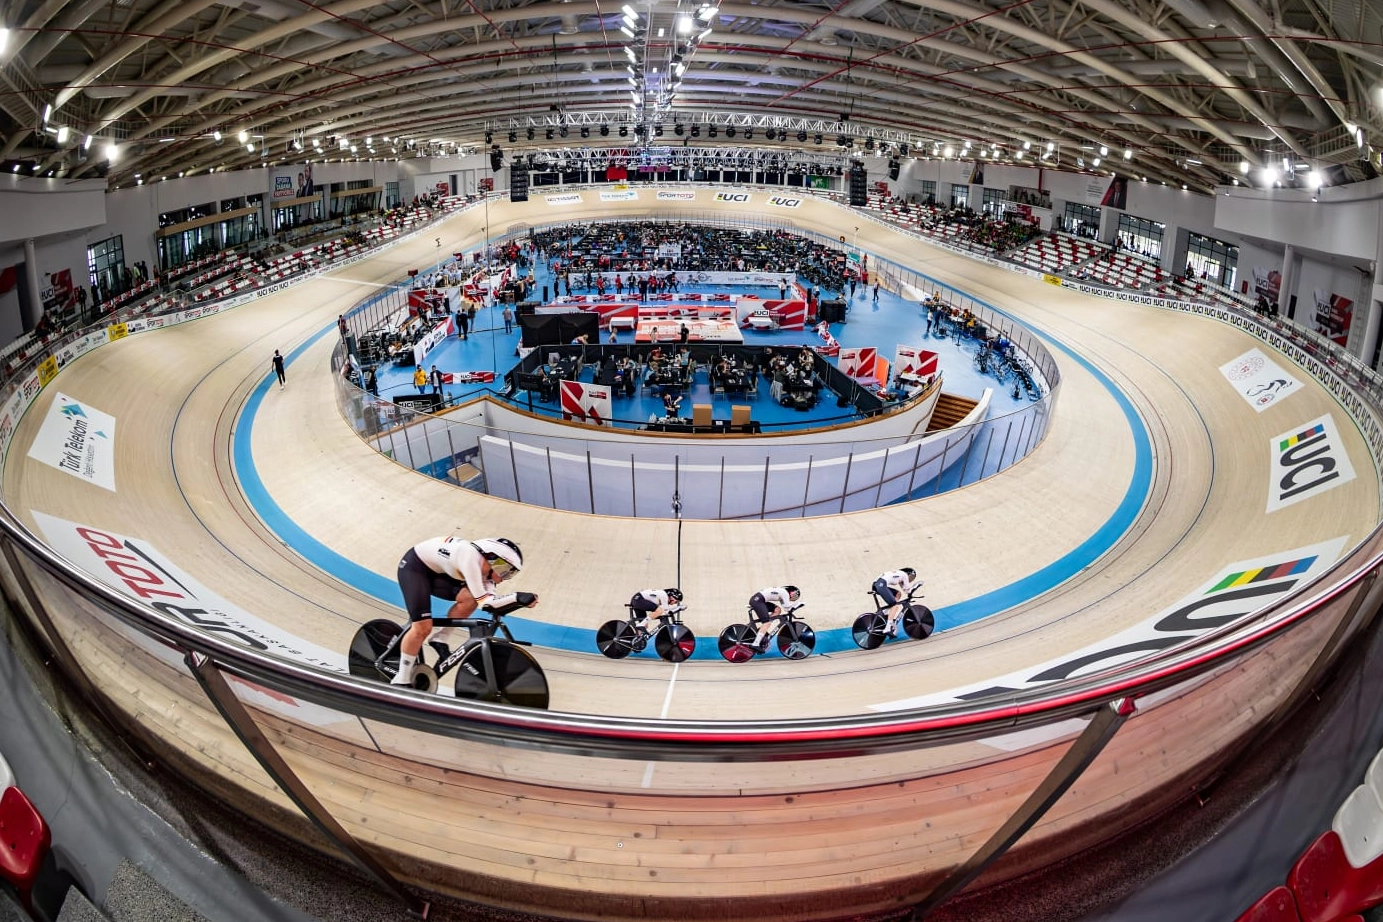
763,617
415,582
889,598
643,611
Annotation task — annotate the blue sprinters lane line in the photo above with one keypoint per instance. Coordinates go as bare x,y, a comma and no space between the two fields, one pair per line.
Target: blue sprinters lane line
582,640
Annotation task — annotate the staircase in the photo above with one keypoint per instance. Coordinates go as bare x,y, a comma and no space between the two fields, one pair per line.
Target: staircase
950,409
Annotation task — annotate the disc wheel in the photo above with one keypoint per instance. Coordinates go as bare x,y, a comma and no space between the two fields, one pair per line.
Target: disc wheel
869,630
371,639
675,642
518,679
424,678
737,643
796,640
616,638
918,622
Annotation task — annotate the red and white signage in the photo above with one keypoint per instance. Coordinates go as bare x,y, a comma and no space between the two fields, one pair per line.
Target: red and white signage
586,403
914,361
468,377
859,363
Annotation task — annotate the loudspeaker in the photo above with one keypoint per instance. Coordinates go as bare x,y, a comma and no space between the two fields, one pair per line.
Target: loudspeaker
859,186
496,159
518,182
893,167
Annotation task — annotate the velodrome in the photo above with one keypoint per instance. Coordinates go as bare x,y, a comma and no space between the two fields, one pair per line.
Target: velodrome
179,395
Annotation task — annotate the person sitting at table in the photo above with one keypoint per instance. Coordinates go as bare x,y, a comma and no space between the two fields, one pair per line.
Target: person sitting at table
671,402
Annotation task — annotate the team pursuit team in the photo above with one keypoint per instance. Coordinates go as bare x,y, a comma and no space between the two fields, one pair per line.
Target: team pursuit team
467,574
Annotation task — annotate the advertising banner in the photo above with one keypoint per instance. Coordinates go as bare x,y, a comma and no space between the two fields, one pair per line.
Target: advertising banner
1236,590
733,198
915,362
433,339
1334,313
586,403
139,570
858,363
292,182
784,201
618,195
1307,460
78,439
676,195
1258,379
1267,283
565,198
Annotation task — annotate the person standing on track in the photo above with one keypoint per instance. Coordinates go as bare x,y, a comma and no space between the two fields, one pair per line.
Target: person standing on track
278,368
464,573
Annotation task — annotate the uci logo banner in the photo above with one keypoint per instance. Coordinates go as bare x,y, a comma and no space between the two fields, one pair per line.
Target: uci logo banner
738,198
1307,461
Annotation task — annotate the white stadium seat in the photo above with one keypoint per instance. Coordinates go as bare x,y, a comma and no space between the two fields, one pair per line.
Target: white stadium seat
1359,824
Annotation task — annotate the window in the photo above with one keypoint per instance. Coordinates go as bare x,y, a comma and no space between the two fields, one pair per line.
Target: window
1212,260
1141,236
1082,220
231,204
391,195
993,202
105,261
960,196
929,191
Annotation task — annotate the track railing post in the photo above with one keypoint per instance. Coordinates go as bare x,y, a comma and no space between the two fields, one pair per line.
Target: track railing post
1096,735
238,718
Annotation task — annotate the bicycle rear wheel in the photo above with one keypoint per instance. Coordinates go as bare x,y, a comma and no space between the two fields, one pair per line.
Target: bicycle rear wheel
918,622
796,640
737,643
616,638
869,630
371,639
674,642
518,678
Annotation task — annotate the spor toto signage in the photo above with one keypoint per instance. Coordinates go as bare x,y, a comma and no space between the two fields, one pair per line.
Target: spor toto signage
140,571
671,195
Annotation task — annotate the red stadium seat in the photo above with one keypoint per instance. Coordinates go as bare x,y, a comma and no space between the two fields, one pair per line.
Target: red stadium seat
1277,905
1328,888
24,842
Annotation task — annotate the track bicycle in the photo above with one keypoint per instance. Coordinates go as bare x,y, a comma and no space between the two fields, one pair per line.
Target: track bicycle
490,666
672,640
871,628
796,639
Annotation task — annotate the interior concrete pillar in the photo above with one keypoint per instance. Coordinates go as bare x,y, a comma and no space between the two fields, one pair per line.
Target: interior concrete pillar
1290,268
31,305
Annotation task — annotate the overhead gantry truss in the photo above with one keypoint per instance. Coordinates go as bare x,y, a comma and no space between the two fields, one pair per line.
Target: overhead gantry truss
1195,90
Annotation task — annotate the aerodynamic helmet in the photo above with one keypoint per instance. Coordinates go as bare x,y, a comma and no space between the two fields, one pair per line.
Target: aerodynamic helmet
911,573
503,555
793,593
674,595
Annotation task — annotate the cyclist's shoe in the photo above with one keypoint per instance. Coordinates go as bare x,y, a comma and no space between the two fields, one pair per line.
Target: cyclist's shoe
443,650
762,646
892,630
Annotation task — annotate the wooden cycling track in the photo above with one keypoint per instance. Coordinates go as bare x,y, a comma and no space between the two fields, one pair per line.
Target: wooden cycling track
789,839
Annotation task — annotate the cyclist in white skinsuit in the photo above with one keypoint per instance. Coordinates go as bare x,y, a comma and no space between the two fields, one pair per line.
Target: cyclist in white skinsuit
768,606
893,588
650,604
462,572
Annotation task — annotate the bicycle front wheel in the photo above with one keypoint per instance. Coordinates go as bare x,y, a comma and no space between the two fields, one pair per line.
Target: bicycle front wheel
918,622
796,640
370,641
737,643
675,642
517,679
869,630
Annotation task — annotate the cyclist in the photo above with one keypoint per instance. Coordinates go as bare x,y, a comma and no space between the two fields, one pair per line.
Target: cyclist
462,572
893,588
651,604
767,607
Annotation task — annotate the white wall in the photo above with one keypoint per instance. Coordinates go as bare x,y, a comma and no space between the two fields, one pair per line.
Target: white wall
34,208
